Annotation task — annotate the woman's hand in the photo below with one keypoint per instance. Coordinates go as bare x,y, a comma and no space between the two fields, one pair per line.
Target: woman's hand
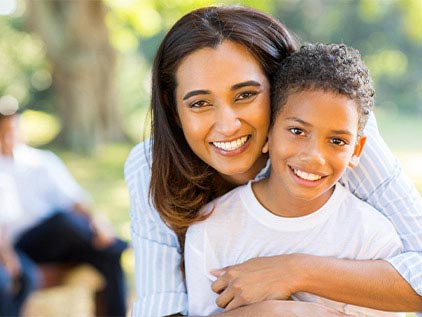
256,280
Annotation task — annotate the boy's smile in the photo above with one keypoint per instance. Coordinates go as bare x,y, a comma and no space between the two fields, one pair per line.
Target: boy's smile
311,144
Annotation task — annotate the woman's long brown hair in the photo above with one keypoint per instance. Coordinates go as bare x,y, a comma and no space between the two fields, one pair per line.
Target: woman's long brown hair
181,183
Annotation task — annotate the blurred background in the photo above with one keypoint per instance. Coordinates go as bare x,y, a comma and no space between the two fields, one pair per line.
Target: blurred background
81,71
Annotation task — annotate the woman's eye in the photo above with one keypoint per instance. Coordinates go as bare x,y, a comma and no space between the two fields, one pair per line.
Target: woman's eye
296,131
246,95
198,104
337,141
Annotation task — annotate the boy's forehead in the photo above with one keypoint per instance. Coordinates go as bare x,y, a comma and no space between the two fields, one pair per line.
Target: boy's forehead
321,105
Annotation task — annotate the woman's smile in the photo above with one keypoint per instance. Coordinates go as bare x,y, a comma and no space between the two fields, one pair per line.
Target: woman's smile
232,146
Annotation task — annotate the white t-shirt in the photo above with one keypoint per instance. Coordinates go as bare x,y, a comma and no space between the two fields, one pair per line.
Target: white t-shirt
240,228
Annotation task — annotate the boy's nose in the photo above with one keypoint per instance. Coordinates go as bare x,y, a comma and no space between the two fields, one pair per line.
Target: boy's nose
313,154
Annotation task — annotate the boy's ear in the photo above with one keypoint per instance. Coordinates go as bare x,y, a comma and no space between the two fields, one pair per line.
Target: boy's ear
360,143
265,147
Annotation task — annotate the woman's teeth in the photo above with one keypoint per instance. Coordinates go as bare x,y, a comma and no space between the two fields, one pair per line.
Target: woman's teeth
230,146
307,176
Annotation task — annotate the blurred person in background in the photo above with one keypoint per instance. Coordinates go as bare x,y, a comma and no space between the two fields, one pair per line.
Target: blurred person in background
57,225
18,274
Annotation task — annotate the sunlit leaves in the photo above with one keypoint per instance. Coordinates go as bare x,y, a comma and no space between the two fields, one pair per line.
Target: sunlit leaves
22,56
390,63
412,18
39,128
373,11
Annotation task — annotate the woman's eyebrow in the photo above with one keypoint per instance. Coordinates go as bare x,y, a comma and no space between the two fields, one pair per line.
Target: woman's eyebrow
246,83
196,92
234,87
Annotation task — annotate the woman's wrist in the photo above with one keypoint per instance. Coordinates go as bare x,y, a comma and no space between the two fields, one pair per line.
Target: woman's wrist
301,272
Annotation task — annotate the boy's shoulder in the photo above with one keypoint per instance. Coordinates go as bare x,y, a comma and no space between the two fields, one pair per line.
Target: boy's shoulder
223,209
228,202
362,213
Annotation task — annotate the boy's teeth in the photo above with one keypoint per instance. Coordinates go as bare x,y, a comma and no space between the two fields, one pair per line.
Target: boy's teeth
307,176
233,145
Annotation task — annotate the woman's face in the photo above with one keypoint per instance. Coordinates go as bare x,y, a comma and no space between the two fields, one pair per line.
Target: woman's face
223,103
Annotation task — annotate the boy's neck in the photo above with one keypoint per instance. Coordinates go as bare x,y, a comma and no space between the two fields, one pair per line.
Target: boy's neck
280,202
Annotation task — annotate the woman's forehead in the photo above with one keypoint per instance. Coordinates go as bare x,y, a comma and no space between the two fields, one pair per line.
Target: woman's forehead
226,63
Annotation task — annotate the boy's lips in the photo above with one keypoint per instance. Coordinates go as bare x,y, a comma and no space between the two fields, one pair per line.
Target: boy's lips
306,175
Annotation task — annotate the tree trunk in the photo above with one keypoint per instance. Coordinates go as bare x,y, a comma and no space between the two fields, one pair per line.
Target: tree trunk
83,62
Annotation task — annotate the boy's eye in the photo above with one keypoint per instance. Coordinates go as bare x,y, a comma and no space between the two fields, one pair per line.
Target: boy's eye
296,131
338,141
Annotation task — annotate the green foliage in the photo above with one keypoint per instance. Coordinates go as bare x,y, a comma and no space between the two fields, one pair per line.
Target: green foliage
383,31
388,34
39,128
26,74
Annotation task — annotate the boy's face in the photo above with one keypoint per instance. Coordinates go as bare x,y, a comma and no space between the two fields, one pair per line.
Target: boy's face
312,142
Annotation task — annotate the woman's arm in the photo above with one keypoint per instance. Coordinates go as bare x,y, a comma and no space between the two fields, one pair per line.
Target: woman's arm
160,289
374,284
276,308
380,181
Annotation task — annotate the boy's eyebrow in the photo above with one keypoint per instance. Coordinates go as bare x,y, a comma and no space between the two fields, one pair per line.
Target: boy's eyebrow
234,87
296,119
345,132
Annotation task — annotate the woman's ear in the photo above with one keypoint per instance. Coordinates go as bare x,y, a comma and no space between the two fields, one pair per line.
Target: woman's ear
360,143
265,147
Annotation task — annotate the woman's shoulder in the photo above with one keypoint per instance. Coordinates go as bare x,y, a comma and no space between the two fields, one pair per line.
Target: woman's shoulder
139,159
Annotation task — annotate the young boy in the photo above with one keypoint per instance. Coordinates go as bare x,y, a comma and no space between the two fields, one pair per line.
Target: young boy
321,100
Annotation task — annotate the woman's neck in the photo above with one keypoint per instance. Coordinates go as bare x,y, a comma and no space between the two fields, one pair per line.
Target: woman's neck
243,178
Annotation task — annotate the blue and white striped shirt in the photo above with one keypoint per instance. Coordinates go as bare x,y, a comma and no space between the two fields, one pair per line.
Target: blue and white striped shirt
378,179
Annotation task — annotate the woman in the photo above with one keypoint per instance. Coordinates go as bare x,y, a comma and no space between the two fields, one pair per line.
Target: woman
210,115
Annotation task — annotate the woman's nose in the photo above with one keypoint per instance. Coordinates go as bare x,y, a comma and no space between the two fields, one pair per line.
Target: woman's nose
227,121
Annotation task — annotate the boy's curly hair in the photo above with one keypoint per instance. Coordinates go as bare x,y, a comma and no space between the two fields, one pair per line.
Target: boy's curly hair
330,67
